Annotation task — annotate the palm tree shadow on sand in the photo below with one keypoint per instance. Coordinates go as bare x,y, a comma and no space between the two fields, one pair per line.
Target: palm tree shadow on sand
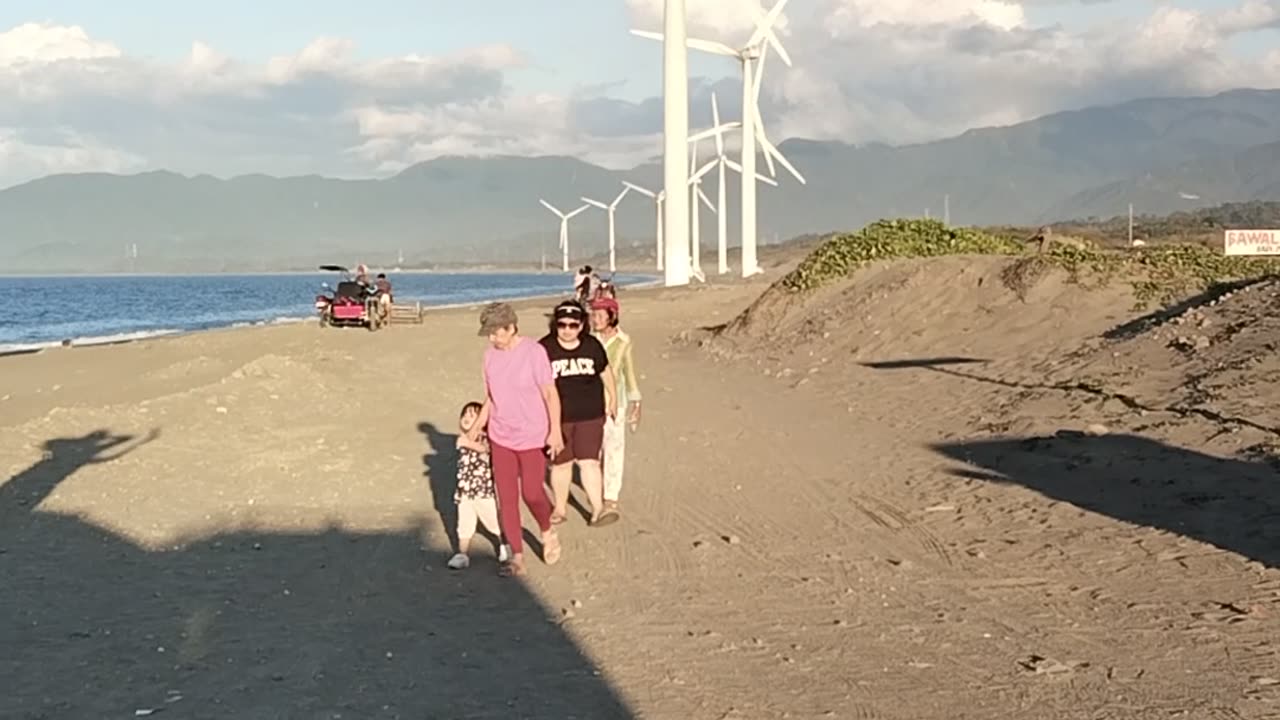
260,624
1229,503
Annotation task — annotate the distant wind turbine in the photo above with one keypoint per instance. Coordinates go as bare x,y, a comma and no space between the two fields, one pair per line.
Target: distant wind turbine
564,229
613,240
658,197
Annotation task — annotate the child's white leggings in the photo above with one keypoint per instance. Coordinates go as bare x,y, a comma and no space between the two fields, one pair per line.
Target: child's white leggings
483,509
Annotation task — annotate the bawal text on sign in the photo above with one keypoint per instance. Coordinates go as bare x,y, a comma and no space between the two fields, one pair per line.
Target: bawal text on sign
1251,242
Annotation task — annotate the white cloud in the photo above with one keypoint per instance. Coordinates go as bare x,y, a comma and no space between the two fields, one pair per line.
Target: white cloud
910,70
43,43
889,70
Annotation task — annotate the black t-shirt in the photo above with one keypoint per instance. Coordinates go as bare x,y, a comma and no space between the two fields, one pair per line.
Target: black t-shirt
577,373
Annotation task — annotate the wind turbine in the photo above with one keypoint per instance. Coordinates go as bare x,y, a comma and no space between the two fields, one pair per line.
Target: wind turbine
613,257
564,229
722,218
750,114
696,195
658,199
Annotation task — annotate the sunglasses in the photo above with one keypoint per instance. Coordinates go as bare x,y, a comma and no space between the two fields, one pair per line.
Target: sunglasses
571,325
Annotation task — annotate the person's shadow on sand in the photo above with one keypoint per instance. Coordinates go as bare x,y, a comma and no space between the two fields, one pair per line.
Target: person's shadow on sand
261,624
1231,504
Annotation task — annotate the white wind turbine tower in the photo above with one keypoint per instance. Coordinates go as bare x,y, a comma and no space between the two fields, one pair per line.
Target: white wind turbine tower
613,242
564,230
750,117
658,199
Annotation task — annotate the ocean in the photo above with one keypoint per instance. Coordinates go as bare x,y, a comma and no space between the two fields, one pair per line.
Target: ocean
45,311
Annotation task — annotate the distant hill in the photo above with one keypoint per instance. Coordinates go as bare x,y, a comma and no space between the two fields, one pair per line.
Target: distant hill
1079,164
1203,182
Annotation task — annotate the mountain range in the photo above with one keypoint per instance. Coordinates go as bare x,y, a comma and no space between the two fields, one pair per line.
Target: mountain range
1162,154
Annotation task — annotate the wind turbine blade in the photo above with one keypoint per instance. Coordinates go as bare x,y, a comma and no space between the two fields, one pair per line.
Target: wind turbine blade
662,195
764,141
695,177
710,164
714,132
757,82
618,199
772,150
777,47
715,122
738,169
648,34
711,46
575,212
765,22
765,35
595,203
639,189
705,200
550,207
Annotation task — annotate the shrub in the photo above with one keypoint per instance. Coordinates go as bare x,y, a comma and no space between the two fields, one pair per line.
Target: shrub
841,255
1158,273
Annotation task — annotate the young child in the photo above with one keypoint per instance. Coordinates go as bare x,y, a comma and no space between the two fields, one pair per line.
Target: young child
474,495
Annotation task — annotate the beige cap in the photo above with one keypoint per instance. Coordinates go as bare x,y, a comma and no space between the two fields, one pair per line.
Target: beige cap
495,316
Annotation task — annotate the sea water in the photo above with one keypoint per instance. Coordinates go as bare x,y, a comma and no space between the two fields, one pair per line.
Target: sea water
44,311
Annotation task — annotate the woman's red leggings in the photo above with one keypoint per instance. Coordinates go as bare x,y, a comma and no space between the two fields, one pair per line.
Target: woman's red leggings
517,473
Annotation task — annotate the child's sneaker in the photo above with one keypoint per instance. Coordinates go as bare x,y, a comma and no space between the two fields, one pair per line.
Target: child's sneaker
459,562
504,553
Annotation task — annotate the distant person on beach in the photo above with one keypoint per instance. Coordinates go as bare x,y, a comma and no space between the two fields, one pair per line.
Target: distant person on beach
362,274
584,285
383,287
587,397
606,290
521,411
617,345
474,494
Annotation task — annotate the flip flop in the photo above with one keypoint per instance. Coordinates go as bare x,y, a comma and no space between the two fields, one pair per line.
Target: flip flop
608,516
556,518
551,550
510,569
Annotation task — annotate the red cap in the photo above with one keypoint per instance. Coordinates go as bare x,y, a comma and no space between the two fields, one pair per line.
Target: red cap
605,303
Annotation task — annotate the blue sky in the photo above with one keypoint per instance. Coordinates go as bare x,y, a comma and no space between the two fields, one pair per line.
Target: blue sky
895,71
569,42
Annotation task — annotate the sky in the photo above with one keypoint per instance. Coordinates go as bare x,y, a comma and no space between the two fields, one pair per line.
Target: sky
365,89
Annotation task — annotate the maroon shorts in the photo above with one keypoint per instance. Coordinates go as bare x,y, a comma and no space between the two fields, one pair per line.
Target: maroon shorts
583,440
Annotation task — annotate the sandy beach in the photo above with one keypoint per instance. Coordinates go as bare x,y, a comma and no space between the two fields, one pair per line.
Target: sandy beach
908,499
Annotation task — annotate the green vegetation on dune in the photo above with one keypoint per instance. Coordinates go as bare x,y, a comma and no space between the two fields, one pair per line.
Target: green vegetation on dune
1157,273
841,255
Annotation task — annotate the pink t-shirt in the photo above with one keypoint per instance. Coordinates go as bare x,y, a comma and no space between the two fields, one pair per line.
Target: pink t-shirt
514,379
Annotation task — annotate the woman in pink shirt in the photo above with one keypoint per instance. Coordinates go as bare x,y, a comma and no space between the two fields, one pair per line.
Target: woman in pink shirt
522,416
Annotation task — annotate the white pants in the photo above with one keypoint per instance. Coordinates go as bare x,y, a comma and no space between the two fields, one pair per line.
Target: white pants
615,450
484,509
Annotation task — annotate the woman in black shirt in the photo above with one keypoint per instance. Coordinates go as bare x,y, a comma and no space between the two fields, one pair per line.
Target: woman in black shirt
588,395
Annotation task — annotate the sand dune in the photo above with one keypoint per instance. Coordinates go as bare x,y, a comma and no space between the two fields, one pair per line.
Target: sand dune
892,499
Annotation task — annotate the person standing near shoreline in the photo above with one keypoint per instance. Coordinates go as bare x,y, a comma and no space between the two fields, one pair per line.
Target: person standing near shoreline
521,411
617,344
